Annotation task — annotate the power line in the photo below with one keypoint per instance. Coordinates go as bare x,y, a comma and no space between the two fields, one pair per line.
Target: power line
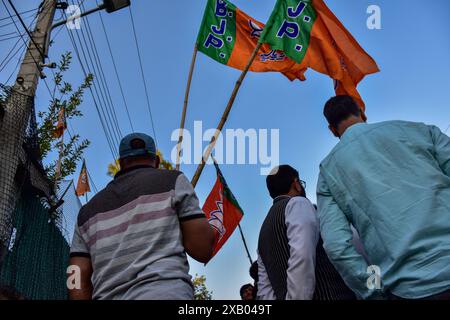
14,19
23,12
8,58
116,72
98,80
17,65
10,38
143,76
26,29
105,128
101,98
105,105
101,75
7,34
94,98
10,51
100,66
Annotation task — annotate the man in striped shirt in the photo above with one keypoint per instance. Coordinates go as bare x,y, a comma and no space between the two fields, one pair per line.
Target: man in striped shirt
131,239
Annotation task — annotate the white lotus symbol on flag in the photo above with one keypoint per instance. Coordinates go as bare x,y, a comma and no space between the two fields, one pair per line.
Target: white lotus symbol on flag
256,30
216,219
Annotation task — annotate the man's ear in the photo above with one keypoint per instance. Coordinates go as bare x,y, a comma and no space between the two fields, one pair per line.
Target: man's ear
121,164
157,162
333,130
363,116
296,186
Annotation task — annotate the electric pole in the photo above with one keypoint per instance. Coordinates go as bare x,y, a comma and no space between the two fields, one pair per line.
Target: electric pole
18,110
17,114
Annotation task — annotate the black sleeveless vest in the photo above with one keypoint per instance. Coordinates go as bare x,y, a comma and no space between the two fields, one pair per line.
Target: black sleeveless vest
273,247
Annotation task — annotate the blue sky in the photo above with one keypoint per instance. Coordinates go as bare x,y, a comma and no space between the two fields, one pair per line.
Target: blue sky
412,50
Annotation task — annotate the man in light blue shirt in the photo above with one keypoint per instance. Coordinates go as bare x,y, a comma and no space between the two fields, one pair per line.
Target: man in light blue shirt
391,181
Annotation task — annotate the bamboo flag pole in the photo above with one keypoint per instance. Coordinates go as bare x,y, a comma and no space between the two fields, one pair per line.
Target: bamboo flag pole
186,100
224,117
58,164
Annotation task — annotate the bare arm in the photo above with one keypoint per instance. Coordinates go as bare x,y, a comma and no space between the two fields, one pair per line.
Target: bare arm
198,235
84,290
198,239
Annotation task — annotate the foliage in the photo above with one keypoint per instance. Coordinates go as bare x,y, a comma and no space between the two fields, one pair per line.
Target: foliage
64,96
113,168
201,292
165,164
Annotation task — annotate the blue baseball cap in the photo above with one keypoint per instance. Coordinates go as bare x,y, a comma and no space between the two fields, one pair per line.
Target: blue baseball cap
128,148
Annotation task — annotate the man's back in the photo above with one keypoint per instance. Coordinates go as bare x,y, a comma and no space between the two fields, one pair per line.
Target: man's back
131,231
391,180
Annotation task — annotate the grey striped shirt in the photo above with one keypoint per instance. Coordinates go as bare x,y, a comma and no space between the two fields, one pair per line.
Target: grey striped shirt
131,232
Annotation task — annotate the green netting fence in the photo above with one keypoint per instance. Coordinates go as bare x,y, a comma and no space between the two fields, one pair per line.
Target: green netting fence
38,253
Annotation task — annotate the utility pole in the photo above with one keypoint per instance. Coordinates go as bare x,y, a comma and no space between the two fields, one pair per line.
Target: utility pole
19,106
17,114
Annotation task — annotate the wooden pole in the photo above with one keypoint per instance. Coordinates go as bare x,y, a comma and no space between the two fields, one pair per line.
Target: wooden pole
87,180
224,117
59,163
13,123
186,100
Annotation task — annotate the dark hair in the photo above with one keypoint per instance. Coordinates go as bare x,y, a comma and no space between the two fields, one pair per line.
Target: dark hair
340,108
129,160
243,288
280,181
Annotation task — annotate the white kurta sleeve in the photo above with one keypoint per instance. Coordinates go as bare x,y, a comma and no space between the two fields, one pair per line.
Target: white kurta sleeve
265,290
303,234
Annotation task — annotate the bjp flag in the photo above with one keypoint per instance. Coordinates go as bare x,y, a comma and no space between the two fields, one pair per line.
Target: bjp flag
229,36
61,125
83,182
311,35
222,211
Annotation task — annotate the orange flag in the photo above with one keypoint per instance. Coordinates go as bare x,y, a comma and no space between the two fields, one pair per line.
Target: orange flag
61,125
229,36
83,182
222,211
311,35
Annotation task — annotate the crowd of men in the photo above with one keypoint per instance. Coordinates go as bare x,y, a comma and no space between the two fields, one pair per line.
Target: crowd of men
381,228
